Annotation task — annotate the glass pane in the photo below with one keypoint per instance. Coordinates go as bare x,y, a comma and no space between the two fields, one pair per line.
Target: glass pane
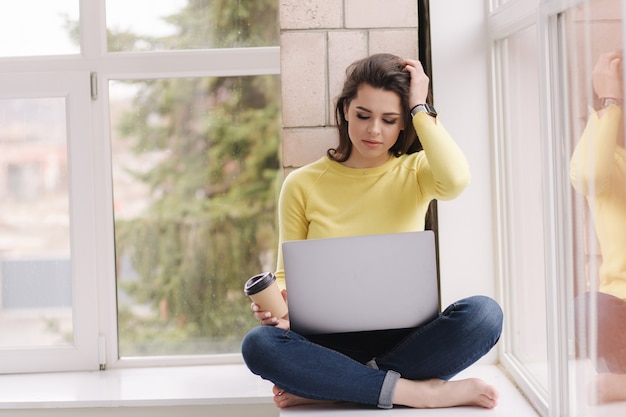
39,27
497,3
158,25
35,272
594,45
195,173
522,144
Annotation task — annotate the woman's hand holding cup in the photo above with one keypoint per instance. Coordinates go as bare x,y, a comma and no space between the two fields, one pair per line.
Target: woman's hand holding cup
267,318
268,302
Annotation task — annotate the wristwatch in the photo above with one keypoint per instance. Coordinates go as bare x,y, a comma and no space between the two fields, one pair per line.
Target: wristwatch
430,110
607,101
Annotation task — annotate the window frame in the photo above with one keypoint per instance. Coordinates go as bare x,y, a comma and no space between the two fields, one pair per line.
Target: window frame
96,67
82,353
536,394
557,193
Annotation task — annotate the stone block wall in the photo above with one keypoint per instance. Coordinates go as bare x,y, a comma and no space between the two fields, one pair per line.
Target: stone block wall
319,39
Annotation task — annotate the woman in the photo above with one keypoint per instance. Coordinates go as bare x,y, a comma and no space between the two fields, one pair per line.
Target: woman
371,184
598,171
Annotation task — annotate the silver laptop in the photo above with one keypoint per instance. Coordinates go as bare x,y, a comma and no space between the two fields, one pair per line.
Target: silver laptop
361,283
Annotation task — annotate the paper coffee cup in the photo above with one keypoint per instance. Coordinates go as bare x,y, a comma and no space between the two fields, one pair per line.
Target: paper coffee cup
263,290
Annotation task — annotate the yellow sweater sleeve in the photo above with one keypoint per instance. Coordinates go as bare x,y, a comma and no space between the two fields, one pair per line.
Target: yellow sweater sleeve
597,171
445,171
592,160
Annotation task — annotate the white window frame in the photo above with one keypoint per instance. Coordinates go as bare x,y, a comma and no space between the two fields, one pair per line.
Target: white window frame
507,261
508,19
82,353
129,66
93,244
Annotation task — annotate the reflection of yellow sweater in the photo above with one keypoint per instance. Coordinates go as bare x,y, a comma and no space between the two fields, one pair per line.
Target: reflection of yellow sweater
598,172
328,199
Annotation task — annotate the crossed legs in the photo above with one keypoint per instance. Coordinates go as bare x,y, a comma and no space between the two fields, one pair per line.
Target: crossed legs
415,372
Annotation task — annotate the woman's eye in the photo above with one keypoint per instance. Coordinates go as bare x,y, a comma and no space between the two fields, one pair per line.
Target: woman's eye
367,116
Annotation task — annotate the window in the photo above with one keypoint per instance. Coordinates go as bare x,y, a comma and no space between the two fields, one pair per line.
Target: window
35,269
46,230
520,190
589,32
550,252
195,161
41,33
181,24
139,173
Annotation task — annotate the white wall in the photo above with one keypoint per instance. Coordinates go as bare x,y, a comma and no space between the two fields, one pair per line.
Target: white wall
460,86
461,93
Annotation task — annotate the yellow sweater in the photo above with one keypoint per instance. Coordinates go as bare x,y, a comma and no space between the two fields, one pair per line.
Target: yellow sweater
327,199
598,172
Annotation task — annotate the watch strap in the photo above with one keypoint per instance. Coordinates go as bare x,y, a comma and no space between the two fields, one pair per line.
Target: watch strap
607,101
425,107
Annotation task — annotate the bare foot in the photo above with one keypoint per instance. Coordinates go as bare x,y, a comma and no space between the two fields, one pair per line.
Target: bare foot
608,388
283,399
437,393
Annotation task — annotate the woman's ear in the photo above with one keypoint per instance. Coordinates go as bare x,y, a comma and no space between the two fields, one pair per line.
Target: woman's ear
345,110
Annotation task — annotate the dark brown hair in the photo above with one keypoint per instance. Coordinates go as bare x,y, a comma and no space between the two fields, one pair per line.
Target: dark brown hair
384,71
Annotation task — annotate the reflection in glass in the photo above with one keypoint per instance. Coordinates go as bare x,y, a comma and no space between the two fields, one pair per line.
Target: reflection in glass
149,25
38,27
598,174
35,273
195,175
523,187
497,3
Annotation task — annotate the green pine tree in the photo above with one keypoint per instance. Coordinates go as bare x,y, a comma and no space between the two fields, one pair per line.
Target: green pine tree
211,220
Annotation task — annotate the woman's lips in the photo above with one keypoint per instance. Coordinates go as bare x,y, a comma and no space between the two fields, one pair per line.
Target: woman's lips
371,143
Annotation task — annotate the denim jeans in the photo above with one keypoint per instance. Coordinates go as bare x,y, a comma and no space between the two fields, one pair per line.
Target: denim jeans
609,343
364,367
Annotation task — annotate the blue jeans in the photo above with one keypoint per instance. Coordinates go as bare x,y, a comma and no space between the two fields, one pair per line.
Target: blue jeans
364,367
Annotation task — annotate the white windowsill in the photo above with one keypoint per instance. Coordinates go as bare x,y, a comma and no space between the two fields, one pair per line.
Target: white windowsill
216,386
137,387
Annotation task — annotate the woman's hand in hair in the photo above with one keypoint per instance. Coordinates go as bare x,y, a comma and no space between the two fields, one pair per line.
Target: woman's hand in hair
607,75
419,82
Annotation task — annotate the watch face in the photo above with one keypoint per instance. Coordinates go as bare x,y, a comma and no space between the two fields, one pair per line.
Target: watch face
430,110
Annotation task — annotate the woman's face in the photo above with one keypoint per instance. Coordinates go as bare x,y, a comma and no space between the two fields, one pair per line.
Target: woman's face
375,120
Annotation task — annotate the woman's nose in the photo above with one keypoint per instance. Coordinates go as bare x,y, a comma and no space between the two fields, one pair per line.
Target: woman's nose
374,127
